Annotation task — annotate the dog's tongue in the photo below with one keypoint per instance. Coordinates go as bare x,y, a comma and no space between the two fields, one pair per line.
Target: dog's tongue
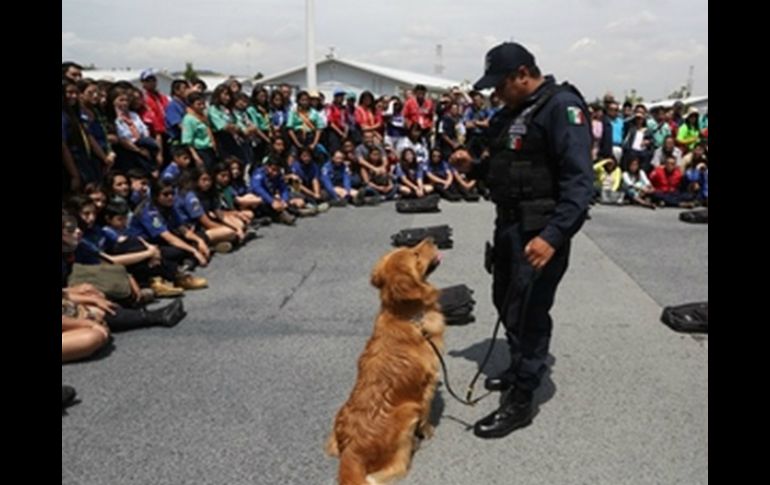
439,256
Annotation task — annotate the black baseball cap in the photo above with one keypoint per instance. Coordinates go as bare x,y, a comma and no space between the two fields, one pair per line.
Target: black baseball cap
501,61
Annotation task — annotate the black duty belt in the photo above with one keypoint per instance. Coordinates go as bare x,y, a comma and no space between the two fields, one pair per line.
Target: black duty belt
508,213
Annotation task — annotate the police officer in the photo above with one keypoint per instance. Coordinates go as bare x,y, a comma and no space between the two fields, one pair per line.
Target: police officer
538,171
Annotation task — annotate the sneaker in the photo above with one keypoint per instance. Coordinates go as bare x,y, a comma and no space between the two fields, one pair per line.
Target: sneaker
164,289
323,207
286,218
261,221
338,203
67,396
359,199
191,282
249,235
307,211
223,248
146,295
373,199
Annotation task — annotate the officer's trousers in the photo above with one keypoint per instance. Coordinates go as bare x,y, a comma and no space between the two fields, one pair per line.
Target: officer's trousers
528,338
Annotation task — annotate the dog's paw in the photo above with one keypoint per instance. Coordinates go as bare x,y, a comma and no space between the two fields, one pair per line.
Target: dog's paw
425,431
331,446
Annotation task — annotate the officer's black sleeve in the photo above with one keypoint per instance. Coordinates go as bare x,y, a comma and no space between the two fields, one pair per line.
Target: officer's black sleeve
479,169
569,138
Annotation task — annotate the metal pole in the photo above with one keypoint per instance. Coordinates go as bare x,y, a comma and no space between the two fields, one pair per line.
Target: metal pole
310,34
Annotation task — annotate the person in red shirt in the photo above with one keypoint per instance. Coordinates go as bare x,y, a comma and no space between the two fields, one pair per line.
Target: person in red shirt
156,103
337,127
419,109
367,117
666,179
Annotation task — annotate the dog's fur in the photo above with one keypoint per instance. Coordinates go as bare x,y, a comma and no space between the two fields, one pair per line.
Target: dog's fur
376,430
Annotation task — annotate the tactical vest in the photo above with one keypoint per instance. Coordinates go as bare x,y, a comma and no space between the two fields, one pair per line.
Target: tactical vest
519,168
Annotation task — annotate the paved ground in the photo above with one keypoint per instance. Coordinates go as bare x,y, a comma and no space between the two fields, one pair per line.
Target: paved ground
244,390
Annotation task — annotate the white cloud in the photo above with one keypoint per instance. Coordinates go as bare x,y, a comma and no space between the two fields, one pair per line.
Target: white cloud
584,44
584,41
633,23
688,53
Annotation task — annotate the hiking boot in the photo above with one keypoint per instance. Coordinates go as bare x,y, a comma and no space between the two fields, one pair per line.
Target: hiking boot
286,218
164,289
191,282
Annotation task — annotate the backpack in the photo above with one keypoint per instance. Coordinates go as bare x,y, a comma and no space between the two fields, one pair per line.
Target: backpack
442,236
690,317
429,203
457,304
700,216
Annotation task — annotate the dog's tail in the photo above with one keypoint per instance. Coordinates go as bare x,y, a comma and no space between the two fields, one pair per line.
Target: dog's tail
352,469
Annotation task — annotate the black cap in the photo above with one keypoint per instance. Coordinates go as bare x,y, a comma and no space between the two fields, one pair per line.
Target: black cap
501,61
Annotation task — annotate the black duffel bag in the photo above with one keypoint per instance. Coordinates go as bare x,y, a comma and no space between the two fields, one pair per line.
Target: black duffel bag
690,317
442,236
699,216
457,304
429,203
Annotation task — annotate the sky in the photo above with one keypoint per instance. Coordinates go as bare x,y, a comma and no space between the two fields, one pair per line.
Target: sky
598,45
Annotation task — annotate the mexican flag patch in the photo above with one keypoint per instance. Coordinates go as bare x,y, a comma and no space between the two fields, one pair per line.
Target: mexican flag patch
575,115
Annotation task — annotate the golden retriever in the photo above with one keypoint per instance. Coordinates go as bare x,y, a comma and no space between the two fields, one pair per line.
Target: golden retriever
376,431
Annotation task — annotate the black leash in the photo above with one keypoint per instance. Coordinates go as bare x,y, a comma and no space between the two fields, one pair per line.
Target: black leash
468,401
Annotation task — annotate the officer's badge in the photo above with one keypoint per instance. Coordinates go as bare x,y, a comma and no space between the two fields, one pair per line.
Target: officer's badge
156,222
514,142
575,115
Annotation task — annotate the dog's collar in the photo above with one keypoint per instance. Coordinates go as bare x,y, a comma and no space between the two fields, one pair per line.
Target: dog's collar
417,319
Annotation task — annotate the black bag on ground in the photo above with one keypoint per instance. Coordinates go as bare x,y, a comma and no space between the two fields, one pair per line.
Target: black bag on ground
429,203
442,236
700,216
690,317
457,304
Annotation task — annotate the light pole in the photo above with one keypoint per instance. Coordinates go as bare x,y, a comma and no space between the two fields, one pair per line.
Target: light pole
310,38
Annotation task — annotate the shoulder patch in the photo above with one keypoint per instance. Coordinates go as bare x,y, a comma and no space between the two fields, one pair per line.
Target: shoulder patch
575,115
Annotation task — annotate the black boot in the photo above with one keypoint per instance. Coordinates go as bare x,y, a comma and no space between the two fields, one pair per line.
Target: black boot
516,411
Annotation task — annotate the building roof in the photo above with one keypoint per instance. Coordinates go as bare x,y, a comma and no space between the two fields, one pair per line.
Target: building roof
667,103
116,75
400,75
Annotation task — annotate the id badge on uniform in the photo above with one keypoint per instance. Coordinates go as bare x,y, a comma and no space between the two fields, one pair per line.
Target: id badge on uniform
515,135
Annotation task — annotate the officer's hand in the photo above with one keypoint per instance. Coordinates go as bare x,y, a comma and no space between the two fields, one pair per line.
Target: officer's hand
538,252
461,160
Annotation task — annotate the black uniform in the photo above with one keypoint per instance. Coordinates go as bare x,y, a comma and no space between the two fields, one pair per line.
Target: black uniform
540,178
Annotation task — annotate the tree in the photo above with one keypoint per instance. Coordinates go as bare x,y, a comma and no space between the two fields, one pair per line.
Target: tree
680,93
189,71
634,98
258,76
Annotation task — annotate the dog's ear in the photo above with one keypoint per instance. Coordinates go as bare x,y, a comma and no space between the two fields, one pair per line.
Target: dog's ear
378,276
405,285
